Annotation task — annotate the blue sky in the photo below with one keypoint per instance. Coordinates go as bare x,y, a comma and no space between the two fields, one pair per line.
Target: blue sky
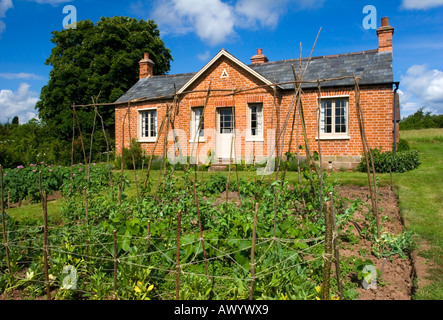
195,30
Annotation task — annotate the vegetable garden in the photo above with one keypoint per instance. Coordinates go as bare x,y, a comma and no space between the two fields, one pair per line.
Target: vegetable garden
185,241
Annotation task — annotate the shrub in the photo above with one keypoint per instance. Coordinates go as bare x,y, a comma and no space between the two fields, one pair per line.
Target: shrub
403,145
216,184
385,161
136,149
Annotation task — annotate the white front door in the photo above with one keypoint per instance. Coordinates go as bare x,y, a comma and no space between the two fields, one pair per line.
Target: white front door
225,132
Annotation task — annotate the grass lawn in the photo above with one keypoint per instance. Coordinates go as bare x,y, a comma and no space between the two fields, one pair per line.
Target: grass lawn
420,195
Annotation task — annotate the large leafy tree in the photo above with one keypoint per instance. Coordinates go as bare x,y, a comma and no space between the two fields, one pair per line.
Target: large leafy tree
96,59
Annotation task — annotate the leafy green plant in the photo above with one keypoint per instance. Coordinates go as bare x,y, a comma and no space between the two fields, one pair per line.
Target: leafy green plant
403,145
385,161
389,245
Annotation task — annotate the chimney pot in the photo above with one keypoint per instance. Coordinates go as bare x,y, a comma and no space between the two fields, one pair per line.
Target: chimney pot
259,58
385,33
146,67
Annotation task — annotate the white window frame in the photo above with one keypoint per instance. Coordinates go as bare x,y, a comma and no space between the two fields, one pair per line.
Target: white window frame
333,135
249,137
194,125
140,125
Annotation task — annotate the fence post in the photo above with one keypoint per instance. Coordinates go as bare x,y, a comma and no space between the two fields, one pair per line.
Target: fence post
327,257
177,265
148,237
5,237
87,222
114,234
336,249
254,233
45,244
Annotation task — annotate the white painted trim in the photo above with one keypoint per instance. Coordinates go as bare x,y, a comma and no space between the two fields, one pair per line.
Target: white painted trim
255,139
139,125
147,140
334,137
335,97
223,52
249,137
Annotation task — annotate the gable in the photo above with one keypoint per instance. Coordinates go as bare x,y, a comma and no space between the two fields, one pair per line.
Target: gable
224,76
223,54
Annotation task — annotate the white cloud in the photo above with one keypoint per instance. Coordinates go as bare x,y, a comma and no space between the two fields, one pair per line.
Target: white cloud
421,4
5,5
204,56
215,21
422,87
21,75
212,20
268,12
20,103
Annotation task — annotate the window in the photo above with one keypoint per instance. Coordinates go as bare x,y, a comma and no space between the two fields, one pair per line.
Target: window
255,121
148,124
334,118
226,121
197,114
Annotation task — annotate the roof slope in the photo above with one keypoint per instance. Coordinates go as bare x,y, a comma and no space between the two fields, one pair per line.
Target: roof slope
372,66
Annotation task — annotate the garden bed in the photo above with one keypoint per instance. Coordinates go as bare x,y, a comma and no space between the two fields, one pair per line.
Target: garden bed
398,274
290,249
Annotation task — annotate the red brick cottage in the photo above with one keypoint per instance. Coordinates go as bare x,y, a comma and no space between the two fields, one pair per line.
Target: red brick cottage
253,116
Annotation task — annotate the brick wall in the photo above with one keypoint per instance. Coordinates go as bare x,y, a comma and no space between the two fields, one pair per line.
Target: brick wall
376,102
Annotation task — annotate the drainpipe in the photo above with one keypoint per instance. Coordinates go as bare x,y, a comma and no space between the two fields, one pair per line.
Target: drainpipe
397,84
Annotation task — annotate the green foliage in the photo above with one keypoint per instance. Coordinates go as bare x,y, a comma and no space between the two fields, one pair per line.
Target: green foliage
131,156
288,266
389,245
385,161
34,142
23,182
403,145
95,59
421,120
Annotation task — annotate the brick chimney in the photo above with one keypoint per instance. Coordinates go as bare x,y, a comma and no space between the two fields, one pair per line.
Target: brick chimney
259,58
385,33
146,67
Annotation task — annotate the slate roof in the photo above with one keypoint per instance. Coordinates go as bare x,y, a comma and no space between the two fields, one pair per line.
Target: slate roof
372,66
157,86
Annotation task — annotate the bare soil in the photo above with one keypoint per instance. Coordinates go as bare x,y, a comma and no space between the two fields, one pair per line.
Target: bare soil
398,275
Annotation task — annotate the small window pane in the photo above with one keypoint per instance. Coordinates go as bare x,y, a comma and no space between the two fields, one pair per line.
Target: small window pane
198,114
226,123
256,112
334,116
149,124
327,106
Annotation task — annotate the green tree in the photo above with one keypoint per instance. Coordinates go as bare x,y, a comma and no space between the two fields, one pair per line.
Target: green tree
15,121
92,59
421,120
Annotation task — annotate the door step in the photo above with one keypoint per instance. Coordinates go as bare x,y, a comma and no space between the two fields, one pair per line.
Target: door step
218,167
